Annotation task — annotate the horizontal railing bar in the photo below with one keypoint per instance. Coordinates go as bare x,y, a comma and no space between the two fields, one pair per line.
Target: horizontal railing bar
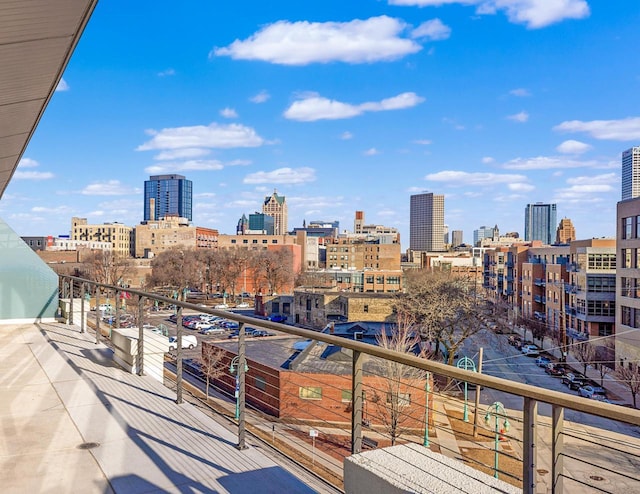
599,467
593,407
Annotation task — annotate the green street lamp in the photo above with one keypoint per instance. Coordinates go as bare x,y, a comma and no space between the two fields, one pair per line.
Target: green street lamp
467,364
499,413
233,369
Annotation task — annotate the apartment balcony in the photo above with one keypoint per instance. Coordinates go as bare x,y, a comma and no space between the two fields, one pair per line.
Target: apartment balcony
540,299
539,282
572,267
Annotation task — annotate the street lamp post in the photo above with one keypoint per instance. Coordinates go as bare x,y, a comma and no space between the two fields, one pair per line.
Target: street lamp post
467,364
499,412
233,369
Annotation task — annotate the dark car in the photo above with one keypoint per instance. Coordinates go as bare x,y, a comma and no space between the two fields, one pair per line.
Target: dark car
555,369
574,380
277,318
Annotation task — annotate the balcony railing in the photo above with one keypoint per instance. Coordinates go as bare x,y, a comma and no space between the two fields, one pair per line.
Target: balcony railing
537,444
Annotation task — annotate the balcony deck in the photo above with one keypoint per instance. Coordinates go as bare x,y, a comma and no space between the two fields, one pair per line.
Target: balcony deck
62,392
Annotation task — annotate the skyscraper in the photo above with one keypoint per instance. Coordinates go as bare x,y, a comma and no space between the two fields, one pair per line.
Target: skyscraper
631,173
167,195
426,222
276,207
485,232
456,238
540,222
565,232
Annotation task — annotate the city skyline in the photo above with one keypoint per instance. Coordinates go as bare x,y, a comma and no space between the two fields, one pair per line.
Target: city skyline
494,107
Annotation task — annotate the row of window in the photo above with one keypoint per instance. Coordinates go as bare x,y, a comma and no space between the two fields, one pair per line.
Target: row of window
605,308
630,258
630,287
315,393
255,241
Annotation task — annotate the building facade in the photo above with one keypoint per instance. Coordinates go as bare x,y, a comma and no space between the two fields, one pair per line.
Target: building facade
276,207
540,222
565,232
121,237
261,224
168,196
631,173
485,232
426,222
457,238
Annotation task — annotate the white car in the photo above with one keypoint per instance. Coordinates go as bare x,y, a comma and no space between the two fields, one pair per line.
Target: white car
188,341
221,306
242,305
531,350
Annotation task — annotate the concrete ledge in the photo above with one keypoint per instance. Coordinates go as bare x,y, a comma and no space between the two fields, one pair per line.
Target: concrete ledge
411,468
125,344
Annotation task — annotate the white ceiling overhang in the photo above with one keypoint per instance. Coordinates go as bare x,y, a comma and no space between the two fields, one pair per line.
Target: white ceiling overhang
37,38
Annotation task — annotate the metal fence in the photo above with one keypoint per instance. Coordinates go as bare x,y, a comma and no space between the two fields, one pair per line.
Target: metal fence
519,445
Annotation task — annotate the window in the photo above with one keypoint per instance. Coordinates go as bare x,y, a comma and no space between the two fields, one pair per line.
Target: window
626,315
601,308
627,227
261,383
602,284
369,279
346,396
255,241
365,308
265,241
380,280
403,399
626,258
310,393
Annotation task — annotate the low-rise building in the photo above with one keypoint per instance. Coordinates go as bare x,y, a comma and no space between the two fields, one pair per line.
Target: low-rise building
121,237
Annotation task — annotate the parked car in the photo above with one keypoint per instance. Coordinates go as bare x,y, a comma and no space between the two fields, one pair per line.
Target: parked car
242,305
530,350
513,339
212,330
188,341
590,391
221,306
258,333
542,361
555,369
277,318
574,380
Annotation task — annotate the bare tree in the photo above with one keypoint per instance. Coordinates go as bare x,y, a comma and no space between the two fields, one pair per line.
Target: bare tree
630,377
394,398
277,269
605,354
176,268
211,364
105,266
585,353
442,307
234,262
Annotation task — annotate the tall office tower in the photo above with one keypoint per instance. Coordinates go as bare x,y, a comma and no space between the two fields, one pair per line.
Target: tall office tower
631,173
167,195
456,238
445,237
565,232
426,222
540,222
276,207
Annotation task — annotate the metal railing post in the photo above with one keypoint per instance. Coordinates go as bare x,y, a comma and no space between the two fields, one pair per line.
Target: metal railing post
83,291
356,402
242,367
71,301
140,356
179,328
529,439
97,291
557,453
116,297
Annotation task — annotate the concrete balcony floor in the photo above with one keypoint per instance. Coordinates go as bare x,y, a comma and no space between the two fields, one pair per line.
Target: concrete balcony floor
61,392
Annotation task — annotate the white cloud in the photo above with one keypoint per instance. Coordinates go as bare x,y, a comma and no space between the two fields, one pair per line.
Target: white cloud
282,176
520,92
176,154
459,178
607,178
229,113
487,160
301,43
62,86
261,97
626,129
314,107
433,29
423,142
21,174
167,72
371,152
238,163
573,147
534,13
200,136
193,165
521,117
346,135
108,188
521,187
548,163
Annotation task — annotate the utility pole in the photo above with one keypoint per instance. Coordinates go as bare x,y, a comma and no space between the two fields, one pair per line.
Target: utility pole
563,323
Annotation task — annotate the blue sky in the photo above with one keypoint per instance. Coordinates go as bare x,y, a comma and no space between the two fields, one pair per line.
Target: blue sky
341,106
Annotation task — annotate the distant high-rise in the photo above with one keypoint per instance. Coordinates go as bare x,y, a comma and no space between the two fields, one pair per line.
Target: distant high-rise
540,222
631,173
166,196
483,232
565,232
445,237
426,222
457,238
276,207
